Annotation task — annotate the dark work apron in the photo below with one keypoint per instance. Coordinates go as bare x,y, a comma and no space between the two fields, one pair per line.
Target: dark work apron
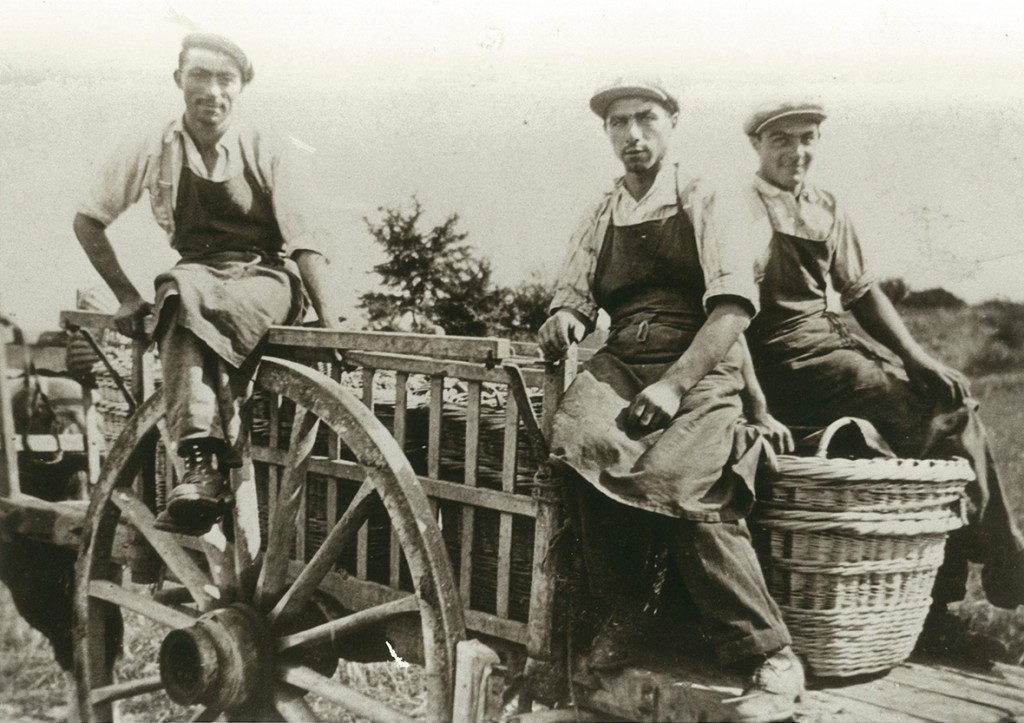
814,370
233,280
701,467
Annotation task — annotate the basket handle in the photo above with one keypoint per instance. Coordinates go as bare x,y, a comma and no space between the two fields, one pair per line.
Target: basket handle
852,437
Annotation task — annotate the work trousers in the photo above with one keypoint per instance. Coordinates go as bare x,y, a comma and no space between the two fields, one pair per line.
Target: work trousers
715,560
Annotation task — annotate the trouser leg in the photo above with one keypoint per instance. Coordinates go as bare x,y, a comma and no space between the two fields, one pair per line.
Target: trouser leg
720,570
615,543
992,536
202,393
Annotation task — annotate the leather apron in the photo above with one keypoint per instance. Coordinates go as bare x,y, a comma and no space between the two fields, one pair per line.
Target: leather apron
233,280
701,467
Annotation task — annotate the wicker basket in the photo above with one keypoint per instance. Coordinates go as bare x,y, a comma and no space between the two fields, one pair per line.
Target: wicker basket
851,548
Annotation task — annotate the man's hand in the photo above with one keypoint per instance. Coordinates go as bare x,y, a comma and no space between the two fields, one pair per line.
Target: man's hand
655,406
777,433
947,385
128,319
560,330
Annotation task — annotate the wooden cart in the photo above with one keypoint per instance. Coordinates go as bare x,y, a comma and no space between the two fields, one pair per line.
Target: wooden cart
393,502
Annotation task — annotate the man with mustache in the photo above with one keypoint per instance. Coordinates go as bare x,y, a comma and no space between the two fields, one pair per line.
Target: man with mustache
814,370
234,207
652,431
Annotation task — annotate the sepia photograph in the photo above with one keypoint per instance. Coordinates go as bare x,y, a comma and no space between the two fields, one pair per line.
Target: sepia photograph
503,362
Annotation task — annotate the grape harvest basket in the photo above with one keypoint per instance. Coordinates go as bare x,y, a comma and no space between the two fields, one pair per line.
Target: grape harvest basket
851,548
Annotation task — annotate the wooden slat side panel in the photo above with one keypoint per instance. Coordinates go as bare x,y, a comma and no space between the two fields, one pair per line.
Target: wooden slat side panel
435,422
468,516
430,345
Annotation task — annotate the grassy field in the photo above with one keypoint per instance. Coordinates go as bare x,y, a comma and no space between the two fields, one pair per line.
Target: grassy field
31,685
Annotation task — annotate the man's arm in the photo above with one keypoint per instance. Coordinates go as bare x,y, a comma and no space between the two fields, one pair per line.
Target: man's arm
755,406
92,235
313,269
657,404
879,318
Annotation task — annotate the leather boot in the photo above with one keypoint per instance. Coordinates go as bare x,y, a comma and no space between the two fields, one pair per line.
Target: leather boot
199,500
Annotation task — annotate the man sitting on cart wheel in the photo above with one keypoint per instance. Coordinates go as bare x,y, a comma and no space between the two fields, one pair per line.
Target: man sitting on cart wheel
814,370
235,209
653,427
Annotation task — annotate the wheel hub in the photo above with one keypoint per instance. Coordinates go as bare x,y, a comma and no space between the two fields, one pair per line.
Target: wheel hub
224,660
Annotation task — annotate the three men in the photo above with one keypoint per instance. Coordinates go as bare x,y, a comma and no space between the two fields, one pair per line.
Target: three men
653,428
814,370
235,209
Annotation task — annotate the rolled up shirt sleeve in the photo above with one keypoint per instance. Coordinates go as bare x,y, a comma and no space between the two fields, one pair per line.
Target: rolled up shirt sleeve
574,288
299,203
120,182
850,277
728,234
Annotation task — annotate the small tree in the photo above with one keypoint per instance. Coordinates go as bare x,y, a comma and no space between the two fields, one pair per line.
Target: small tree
435,277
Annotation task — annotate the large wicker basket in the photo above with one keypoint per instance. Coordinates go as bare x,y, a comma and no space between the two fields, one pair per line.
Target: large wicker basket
851,548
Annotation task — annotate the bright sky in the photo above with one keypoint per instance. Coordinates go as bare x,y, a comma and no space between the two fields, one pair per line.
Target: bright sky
495,92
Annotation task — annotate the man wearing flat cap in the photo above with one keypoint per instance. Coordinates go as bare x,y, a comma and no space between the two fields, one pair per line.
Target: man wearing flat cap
234,207
652,431
814,370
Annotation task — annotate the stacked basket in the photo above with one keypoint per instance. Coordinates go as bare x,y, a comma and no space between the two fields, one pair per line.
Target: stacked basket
851,548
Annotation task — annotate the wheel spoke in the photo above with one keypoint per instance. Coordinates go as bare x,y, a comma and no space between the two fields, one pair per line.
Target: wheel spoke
206,715
352,623
220,559
144,606
282,522
177,560
292,706
340,536
363,706
128,689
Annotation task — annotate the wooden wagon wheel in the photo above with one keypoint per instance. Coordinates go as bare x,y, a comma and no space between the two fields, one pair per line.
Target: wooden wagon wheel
240,642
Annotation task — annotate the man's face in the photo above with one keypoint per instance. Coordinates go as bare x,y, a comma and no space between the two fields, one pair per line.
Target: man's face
640,131
211,82
786,148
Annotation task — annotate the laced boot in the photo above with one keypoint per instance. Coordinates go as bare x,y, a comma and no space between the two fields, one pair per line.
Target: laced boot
199,500
772,690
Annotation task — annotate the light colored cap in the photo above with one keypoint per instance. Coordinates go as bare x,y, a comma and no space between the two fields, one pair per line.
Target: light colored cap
767,114
632,87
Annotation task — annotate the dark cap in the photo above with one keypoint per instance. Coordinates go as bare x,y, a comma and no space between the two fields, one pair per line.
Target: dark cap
777,110
220,44
632,87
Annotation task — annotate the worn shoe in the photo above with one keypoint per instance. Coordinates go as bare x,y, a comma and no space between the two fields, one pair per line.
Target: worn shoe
194,505
772,690
616,645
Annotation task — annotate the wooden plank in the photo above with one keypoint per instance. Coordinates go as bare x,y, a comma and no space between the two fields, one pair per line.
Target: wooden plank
509,462
429,366
898,699
399,433
363,536
429,345
434,430
92,320
472,459
957,683
823,706
49,443
334,440
440,489
9,480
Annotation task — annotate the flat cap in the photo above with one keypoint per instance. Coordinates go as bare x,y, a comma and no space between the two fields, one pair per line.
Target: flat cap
632,87
778,110
220,44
